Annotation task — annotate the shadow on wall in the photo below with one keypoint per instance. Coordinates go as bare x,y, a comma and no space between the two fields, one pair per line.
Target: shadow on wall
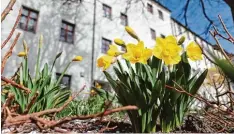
49,25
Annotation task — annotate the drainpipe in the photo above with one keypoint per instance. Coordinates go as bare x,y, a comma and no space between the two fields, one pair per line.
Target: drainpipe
93,41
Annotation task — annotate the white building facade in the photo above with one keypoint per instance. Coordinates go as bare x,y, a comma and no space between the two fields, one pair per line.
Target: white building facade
86,28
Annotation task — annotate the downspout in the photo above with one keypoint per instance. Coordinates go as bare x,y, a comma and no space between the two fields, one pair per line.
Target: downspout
93,41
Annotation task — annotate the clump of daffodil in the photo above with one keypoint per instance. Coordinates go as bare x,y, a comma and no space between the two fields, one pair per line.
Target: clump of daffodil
22,54
131,32
113,51
137,53
119,42
105,61
194,52
77,58
168,50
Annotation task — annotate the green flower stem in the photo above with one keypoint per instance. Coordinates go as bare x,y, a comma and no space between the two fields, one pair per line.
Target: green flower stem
64,71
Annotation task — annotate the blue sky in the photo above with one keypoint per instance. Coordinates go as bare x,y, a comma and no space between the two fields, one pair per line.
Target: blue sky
197,21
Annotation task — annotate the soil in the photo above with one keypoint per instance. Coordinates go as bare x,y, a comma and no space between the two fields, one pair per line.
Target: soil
192,124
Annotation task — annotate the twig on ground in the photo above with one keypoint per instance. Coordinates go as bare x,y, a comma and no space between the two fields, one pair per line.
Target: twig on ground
107,128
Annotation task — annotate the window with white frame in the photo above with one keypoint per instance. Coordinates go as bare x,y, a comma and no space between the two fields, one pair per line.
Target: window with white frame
107,11
65,81
160,14
28,19
67,32
150,8
179,29
153,33
105,45
124,19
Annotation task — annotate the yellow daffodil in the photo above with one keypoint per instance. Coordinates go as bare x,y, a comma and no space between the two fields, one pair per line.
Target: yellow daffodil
131,32
22,54
77,58
137,53
105,61
168,50
92,92
194,52
113,51
119,42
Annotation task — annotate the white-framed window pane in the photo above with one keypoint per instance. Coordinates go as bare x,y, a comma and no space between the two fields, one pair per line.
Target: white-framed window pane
153,33
70,28
105,45
69,37
160,13
62,35
25,12
33,15
31,25
23,19
65,81
124,19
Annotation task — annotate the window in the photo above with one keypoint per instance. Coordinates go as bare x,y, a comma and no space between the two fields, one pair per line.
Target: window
150,8
65,81
163,36
107,11
194,38
123,48
105,45
188,35
124,19
160,13
179,29
28,20
67,32
153,33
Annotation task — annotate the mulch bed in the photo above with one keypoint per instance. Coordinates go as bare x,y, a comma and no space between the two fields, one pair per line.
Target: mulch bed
192,124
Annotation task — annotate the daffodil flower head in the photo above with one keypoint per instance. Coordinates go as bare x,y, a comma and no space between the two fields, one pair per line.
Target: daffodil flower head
137,53
105,61
77,58
113,51
194,52
97,85
119,42
22,54
92,92
167,50
131,32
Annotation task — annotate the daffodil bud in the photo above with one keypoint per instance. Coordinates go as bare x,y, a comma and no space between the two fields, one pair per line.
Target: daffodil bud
25,47
119,42
131,32
98,86
22,54
77,58
40,41
181,40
